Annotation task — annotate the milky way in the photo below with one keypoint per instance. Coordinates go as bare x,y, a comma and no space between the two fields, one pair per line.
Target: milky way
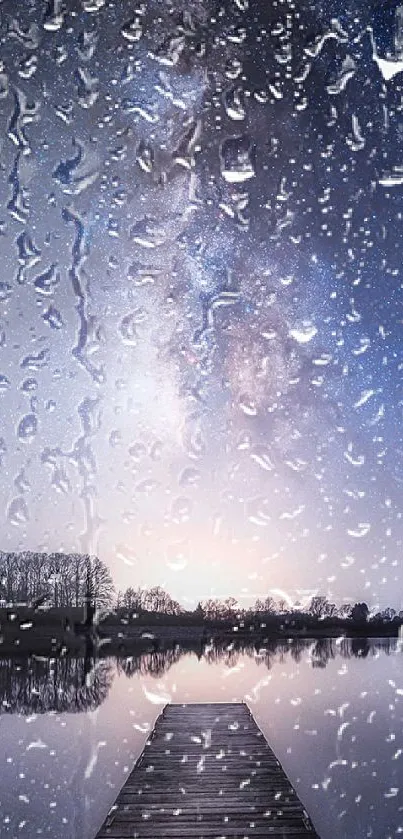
200,361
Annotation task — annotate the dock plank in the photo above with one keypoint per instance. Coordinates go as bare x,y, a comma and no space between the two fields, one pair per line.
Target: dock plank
207,772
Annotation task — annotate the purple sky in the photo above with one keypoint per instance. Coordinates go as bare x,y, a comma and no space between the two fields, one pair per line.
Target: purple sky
200,306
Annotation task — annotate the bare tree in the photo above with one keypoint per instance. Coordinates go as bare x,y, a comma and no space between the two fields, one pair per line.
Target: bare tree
318,607
131,599
266,605
62,579
157,600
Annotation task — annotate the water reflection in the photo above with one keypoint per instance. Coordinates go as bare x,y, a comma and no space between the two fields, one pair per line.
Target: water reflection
39,685
80,684
149,664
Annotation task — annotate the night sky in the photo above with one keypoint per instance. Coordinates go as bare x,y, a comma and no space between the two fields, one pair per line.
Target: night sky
201,295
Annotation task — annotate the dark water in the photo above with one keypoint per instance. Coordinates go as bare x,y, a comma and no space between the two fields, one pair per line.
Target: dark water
332,711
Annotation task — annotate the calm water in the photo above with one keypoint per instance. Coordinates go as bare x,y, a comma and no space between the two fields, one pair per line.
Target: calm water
332,711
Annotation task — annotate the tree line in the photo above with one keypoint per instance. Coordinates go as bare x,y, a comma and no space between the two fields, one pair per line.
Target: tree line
55,579
72,580
156,600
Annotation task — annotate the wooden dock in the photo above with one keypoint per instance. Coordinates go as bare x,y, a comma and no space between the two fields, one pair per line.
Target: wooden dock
207,772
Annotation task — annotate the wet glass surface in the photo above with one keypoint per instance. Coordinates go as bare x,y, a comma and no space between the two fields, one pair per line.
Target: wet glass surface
201,378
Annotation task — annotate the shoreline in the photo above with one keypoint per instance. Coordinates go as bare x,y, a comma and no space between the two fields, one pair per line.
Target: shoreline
115,639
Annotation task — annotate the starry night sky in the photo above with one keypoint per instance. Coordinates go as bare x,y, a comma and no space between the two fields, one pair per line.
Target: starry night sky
200,302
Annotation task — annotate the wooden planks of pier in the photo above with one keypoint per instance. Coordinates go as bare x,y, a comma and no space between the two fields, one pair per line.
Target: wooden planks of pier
207,772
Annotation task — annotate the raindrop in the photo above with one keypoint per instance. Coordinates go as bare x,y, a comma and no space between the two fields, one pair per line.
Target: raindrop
87,88
237,159
132,30
193,437
137,451
361,530
189,477
176,558
3,83
21,483
17,511
259,511
53,317
28,66
27,428
35,362
261,456
234,104
3,449
127,329
29,385
47,282
304,333
60,481
93,5
146,487
115,438
28,253
145,157
156,450
247,405
147,234
5,291
181,509
233,68
87,42
54,16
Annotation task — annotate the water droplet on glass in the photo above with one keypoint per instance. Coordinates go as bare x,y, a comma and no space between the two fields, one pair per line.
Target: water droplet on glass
54,16
176,556
28,66
303,333
145,157
181,509
53,318
125,555
60,481
3,86
17,511
132,30
46,282
137,451
247,405
36,361
29,385
189,477
93,5
115,438
237,159
234,104
27,427
5,291
261,456
127,329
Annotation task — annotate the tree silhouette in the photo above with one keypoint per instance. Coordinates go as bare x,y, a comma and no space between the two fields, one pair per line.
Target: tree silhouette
63,580
359,613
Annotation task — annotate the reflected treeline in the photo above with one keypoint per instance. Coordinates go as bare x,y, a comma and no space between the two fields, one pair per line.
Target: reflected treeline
155,663
319,651
39,685
67,684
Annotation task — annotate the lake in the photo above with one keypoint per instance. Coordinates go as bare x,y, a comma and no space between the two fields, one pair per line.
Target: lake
332,710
